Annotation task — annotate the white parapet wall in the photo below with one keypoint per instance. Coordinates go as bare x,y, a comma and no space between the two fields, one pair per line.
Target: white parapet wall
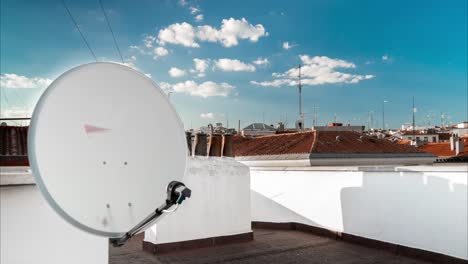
423,207
219,206
31,231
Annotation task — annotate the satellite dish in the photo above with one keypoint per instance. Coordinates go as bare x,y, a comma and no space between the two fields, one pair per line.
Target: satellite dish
104,142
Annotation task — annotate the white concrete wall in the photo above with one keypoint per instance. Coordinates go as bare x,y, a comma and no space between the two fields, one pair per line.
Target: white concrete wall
219,206
31,232
418,206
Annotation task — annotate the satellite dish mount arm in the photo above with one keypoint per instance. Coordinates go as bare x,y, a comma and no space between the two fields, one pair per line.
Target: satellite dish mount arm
176,194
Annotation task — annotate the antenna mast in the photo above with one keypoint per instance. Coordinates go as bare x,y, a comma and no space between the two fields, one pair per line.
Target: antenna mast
414,110
301,114
315,116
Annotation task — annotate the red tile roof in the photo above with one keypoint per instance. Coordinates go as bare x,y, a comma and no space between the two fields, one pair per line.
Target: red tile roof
352,142
403,142
288,143
317,142
441,149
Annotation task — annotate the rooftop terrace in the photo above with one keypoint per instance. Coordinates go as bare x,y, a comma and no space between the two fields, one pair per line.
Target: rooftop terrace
269,246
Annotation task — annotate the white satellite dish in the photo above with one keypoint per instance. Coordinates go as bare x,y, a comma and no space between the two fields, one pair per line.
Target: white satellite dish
104,142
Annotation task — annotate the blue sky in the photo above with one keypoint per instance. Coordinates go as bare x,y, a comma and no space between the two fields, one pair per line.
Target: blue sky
355,55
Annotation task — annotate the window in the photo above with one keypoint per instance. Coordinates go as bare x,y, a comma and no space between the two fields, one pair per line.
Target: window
426,138
434,139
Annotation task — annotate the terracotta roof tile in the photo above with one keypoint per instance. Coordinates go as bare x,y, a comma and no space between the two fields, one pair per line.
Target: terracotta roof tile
403,142
353,142
441,149
317,142
289,143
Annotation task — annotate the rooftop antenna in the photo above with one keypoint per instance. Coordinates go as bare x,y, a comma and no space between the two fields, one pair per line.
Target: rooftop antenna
286,120
441,119
383,114
414,123
369,120
315,115
301,114
127,189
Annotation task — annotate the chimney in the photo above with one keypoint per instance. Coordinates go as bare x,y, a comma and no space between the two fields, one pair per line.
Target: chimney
459,147
453,140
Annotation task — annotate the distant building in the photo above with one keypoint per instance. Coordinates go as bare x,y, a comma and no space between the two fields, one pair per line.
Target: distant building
444,137
258,129
326,148
339,127
218,128
461,129
423,136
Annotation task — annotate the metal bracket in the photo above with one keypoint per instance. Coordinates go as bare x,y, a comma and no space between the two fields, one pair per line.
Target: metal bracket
176,194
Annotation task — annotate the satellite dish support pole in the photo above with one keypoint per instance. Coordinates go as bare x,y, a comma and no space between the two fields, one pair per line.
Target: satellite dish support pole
176,194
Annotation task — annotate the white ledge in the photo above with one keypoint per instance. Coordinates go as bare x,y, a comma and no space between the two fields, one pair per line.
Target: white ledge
16,176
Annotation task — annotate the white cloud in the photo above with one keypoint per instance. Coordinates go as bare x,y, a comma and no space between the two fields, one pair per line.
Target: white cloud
160,52
207,33
228,35
200,66
316,70
138,49
205,89
233,65
176,72
148,41
326,62
11,80
261,61
207,115
287,46
231,31
183,2
179,34
131,63
387,59
275,83
166,87
128,64
199,18
194,10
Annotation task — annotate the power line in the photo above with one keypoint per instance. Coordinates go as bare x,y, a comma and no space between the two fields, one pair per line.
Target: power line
79,30
112,32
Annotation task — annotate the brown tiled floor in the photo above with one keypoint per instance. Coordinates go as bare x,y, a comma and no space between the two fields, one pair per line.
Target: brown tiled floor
269,246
